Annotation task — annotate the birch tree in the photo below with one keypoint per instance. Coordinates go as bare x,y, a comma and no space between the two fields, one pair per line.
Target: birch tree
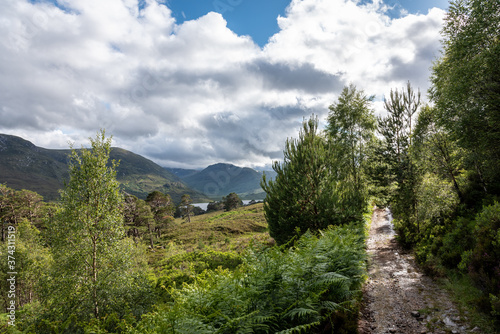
93,262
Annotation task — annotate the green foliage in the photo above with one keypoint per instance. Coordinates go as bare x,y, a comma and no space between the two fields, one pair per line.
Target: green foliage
396,129
184,267
16,206
307,193
484,261
186,207
435,148
273,290
466,86
95,269
232,201
350,130
161,205
31,261
215,206
22,213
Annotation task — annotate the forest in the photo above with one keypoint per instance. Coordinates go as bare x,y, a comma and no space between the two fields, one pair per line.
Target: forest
101,261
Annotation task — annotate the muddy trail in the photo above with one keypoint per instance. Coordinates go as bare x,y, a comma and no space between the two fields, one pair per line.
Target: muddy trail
398,298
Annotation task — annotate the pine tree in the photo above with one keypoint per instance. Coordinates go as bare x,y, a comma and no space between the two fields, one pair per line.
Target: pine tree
307,193
231,202
186,207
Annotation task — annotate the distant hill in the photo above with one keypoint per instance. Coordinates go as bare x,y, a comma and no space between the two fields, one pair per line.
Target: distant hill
26,166
222,179
181,172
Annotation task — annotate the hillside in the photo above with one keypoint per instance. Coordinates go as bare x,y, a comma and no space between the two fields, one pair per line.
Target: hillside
221,230
26,166
222,179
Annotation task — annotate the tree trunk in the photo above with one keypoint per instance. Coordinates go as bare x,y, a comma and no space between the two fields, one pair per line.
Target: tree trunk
94,277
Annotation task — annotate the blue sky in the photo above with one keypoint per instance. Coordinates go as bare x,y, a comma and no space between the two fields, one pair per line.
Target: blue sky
189,83
257,18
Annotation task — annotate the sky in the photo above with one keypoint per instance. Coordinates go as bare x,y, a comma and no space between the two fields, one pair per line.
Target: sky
190,83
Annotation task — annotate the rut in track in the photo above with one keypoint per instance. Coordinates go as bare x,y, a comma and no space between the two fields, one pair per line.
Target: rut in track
398,298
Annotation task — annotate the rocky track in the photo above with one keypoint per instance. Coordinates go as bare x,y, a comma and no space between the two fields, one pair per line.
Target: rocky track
398,298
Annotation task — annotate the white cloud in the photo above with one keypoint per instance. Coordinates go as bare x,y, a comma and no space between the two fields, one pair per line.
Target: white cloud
361,42
195,93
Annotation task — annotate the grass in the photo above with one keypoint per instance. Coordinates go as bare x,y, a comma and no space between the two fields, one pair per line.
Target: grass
219,231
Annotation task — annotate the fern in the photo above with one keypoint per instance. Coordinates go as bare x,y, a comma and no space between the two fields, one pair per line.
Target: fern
301,312
300,329
290,290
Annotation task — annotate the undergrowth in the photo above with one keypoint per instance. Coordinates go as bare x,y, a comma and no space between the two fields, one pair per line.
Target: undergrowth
304,289
467,294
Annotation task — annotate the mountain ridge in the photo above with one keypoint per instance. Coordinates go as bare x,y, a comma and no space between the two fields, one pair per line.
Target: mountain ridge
221,179
23,165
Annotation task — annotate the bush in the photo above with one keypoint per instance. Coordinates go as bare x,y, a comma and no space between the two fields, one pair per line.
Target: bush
457,241
484,266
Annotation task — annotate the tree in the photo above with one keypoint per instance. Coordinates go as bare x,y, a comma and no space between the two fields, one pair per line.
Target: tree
186,208
18,205
435,149
397,130
161,205
397,126
93,262
466,86
231,202
32,258
350,130
137,214
215,206
307,193
163,210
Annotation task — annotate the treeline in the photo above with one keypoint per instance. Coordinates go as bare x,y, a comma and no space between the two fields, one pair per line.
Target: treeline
438,169
143,219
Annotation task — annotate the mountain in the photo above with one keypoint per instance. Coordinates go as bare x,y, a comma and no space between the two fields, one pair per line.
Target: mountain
222,179
181,172
26,166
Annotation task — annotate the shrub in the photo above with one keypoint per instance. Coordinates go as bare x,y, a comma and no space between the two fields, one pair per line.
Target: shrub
484,266
182,268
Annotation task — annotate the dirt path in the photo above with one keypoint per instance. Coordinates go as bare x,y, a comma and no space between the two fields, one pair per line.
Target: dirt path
398,298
